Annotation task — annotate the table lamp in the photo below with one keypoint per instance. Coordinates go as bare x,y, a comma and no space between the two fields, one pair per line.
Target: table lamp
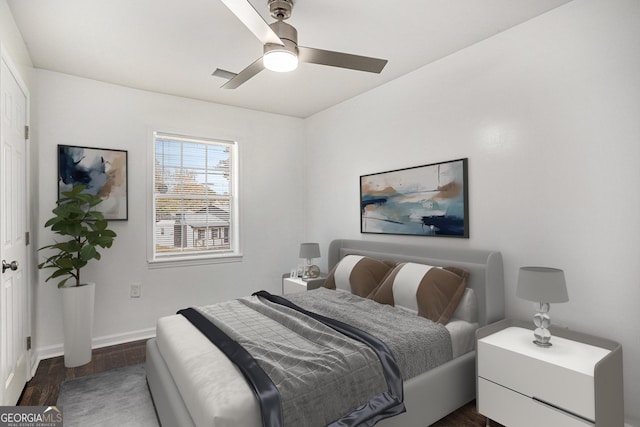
308,251
542,285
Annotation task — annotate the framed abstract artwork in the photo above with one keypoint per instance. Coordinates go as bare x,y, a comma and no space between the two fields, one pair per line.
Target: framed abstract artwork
428,200
103,171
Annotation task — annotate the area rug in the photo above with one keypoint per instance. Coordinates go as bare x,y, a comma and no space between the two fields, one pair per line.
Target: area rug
119,397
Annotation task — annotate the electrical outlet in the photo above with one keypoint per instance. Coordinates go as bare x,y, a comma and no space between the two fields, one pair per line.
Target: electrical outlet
136,290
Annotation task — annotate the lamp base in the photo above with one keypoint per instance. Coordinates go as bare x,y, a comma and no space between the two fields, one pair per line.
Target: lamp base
542,321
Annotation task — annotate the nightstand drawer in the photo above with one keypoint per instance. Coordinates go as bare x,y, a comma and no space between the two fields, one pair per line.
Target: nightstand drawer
562,374
514,409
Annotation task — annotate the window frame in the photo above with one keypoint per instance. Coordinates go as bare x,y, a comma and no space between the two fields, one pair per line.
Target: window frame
234,254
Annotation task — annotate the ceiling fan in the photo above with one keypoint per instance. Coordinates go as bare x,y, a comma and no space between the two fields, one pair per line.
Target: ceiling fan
281,50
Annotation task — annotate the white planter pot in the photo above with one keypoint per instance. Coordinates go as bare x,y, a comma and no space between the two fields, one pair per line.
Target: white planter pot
77,321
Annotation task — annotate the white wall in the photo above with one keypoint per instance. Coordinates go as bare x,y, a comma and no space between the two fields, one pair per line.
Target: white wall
548,115
12,44
76,111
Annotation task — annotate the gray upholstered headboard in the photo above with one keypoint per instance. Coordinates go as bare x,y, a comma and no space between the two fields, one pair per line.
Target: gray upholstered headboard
485,267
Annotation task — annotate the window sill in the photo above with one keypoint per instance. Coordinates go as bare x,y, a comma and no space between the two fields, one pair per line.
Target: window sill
187,261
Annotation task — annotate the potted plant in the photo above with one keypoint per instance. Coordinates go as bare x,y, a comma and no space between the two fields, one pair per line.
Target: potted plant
84,230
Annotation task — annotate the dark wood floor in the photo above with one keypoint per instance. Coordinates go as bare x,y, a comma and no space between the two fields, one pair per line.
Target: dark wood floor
44,387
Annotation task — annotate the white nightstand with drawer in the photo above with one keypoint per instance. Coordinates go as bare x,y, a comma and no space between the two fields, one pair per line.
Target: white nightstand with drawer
575,382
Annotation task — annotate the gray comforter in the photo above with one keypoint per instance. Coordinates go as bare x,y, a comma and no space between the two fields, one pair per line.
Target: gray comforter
321,374
418,344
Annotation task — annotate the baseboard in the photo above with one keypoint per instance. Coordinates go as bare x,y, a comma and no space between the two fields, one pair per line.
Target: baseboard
56,350
108,340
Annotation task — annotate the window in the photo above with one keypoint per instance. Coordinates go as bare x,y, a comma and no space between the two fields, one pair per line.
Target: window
194,198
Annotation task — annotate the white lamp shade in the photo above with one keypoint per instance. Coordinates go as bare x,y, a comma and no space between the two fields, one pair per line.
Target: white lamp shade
542,284
309,250
280,60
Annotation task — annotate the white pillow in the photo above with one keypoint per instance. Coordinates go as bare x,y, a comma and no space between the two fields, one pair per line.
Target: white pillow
358,274
431,292
468,307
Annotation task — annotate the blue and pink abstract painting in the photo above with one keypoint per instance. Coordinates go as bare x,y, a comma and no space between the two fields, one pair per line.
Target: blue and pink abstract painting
102,171
428,200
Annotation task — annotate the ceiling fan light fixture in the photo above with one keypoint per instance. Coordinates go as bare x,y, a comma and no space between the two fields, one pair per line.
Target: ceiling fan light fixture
280,59
280,42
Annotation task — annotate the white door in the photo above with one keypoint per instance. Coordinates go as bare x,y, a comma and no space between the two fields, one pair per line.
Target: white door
14,301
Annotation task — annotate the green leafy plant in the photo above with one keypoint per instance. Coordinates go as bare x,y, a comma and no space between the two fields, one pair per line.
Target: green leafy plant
77,219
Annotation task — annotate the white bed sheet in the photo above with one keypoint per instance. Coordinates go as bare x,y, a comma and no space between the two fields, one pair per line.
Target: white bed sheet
463,336
213,388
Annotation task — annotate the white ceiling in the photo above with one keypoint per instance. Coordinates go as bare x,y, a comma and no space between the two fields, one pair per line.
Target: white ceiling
173,46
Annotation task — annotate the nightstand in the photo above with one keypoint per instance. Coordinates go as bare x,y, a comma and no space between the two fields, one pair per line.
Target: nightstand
575,382
292,285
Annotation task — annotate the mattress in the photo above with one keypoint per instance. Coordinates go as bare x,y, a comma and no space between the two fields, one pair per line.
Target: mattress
212,387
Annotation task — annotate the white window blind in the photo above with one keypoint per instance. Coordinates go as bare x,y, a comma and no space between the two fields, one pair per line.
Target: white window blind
193,197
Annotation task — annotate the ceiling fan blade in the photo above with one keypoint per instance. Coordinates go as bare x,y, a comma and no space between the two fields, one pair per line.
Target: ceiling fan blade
244,75
219,72
339,59
253,21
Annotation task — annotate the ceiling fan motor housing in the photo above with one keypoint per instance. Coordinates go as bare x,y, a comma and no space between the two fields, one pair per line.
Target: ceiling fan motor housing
289,36
285,31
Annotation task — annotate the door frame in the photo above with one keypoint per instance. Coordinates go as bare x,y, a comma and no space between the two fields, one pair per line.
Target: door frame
5,56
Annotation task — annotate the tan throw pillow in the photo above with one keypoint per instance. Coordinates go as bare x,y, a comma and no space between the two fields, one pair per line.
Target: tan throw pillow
432,292
358,274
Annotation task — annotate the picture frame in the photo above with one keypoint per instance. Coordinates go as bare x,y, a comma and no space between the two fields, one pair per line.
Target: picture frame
102,170
426,200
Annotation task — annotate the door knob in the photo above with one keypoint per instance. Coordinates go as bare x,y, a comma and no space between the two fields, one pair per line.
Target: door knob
13,265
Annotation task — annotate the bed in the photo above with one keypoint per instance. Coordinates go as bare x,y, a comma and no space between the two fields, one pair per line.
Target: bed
428,396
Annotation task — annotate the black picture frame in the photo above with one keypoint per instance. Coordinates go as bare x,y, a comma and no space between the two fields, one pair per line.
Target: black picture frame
426,200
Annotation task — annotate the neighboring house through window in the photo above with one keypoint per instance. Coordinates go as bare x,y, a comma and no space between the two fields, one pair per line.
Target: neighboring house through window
195,205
